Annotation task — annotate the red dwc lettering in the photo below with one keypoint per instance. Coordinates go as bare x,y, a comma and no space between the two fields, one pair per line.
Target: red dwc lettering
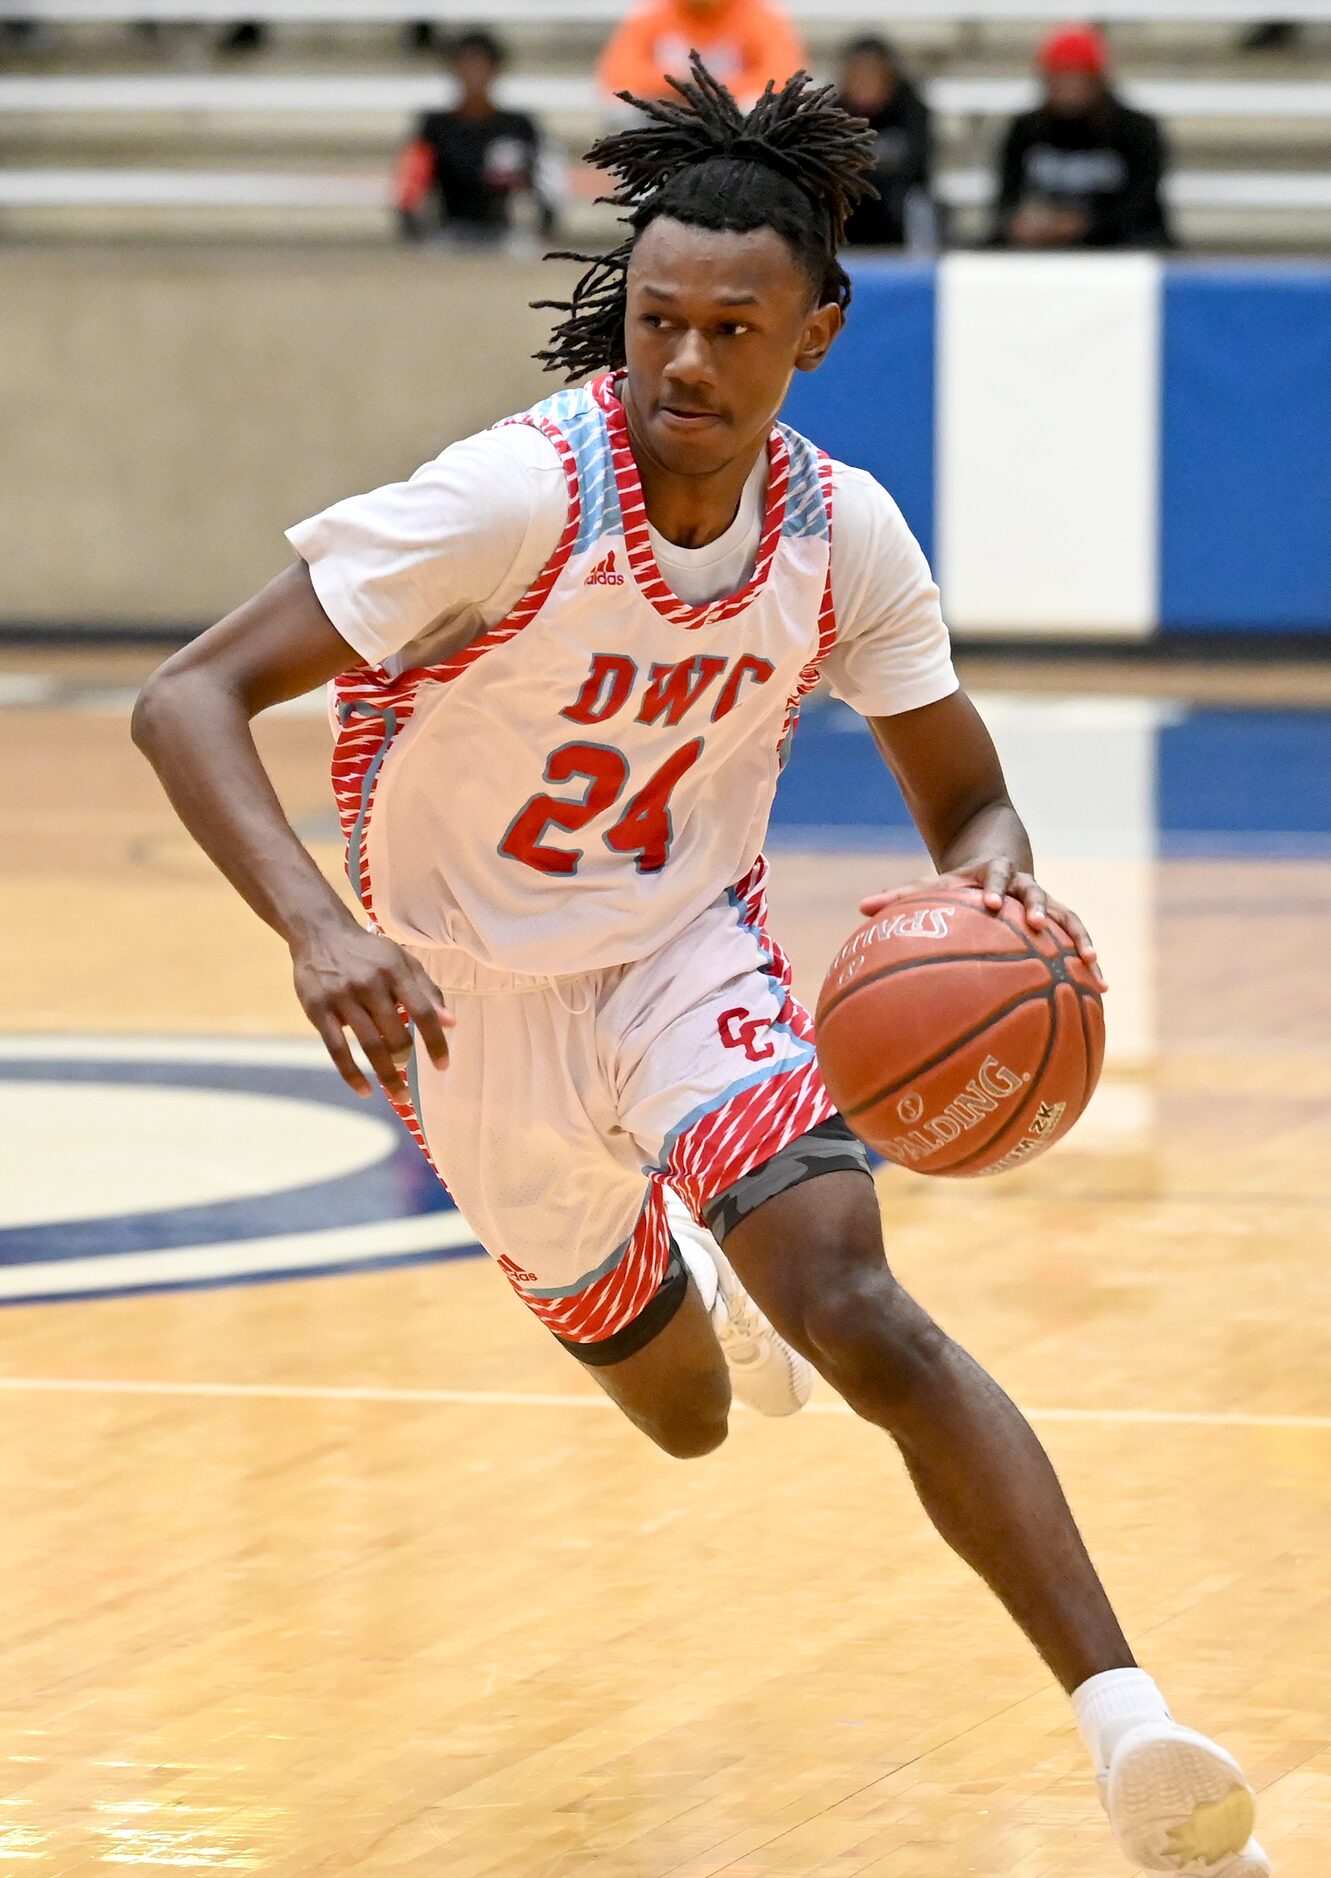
605,689
758,670
672,690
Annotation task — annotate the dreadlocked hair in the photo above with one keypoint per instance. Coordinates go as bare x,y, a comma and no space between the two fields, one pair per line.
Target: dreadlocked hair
796,163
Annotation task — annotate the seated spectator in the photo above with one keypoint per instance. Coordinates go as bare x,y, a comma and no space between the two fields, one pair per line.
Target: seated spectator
1271,36
743,43
464,167
1082,170
873,84
33,35
244,36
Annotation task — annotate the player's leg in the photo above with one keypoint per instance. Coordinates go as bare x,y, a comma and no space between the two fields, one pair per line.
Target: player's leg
761,1159
766,1373
712,1081
520,1129
675,1387
812,1257
720,1084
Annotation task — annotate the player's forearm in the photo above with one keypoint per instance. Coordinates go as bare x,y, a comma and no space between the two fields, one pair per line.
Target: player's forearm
196,734
994,832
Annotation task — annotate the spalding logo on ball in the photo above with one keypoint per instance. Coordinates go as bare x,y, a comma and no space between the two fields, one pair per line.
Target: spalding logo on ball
957,1041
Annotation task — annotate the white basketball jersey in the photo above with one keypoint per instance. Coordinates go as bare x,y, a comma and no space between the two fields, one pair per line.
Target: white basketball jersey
577,784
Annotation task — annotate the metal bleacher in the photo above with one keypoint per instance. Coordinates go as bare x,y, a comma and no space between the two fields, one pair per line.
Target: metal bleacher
100,136
602,12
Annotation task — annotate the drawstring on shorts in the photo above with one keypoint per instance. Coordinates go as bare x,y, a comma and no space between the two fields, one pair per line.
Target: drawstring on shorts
578,985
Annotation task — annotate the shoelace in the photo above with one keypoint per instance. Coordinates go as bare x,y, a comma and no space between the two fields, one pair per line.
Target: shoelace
744,1323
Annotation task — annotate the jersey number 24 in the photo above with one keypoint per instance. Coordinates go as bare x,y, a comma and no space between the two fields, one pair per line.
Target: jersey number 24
644,829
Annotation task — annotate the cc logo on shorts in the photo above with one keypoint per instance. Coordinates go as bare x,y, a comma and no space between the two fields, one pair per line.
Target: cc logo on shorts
740,1030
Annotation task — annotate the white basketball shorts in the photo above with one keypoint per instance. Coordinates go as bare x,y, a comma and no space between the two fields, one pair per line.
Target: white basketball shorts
567,1102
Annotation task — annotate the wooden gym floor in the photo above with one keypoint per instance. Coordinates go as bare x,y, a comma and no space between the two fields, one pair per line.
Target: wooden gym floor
360,1575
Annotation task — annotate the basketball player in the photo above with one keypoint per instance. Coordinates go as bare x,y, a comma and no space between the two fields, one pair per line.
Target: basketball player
566,660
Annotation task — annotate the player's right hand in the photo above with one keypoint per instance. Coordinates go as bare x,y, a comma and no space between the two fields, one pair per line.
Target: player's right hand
348,979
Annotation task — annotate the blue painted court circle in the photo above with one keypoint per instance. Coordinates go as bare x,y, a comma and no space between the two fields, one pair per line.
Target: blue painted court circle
149,1164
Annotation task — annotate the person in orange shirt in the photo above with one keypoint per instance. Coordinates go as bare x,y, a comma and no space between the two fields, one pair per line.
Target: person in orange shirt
744,42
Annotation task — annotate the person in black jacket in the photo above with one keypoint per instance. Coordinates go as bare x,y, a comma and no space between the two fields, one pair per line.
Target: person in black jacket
1082,170
463,168
1271,36
873,84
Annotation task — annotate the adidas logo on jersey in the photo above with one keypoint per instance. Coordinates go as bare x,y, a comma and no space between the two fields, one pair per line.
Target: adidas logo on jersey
603,574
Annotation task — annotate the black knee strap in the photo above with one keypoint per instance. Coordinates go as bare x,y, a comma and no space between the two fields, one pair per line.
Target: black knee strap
650,1321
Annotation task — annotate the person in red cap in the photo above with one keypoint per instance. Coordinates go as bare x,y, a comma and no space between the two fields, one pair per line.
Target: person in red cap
1082,170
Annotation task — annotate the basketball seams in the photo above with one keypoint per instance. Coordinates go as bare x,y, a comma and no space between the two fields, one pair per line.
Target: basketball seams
1087,1085
934,958
1056,932
890,1024
1019,1121
991,1018
1095,1059
1017,928
1022,931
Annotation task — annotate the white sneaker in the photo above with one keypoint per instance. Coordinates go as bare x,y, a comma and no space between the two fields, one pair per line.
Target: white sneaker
1179,1803
765,1373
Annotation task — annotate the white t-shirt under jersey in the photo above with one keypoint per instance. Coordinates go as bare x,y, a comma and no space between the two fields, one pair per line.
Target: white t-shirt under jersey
409,573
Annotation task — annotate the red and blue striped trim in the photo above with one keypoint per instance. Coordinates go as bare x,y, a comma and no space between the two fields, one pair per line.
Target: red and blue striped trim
812,672
650,581
373,705
766,1116
611,1303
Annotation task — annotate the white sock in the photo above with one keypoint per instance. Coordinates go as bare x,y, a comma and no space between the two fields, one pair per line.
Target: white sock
693,1245
1110,1704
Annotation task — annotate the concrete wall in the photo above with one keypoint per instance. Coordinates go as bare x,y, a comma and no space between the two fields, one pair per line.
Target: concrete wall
165,414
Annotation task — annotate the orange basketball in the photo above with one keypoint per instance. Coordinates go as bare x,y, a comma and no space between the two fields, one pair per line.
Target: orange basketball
957,1041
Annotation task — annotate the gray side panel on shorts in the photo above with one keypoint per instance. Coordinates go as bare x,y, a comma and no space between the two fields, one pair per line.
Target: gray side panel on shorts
830,1148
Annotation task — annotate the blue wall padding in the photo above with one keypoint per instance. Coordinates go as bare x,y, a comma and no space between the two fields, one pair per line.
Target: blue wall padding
1228,774
1245,444
1246,449
836,777
1252,772
872,401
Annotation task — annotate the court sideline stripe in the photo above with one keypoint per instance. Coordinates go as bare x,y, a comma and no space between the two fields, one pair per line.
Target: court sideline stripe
509,1398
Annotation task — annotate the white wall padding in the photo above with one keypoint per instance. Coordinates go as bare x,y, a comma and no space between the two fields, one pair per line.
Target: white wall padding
1082,772
1048,441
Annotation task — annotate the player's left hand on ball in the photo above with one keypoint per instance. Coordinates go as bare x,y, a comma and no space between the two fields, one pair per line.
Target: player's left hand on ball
999,879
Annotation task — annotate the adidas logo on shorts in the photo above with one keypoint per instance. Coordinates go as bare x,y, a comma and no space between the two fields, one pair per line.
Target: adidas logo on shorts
603,574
